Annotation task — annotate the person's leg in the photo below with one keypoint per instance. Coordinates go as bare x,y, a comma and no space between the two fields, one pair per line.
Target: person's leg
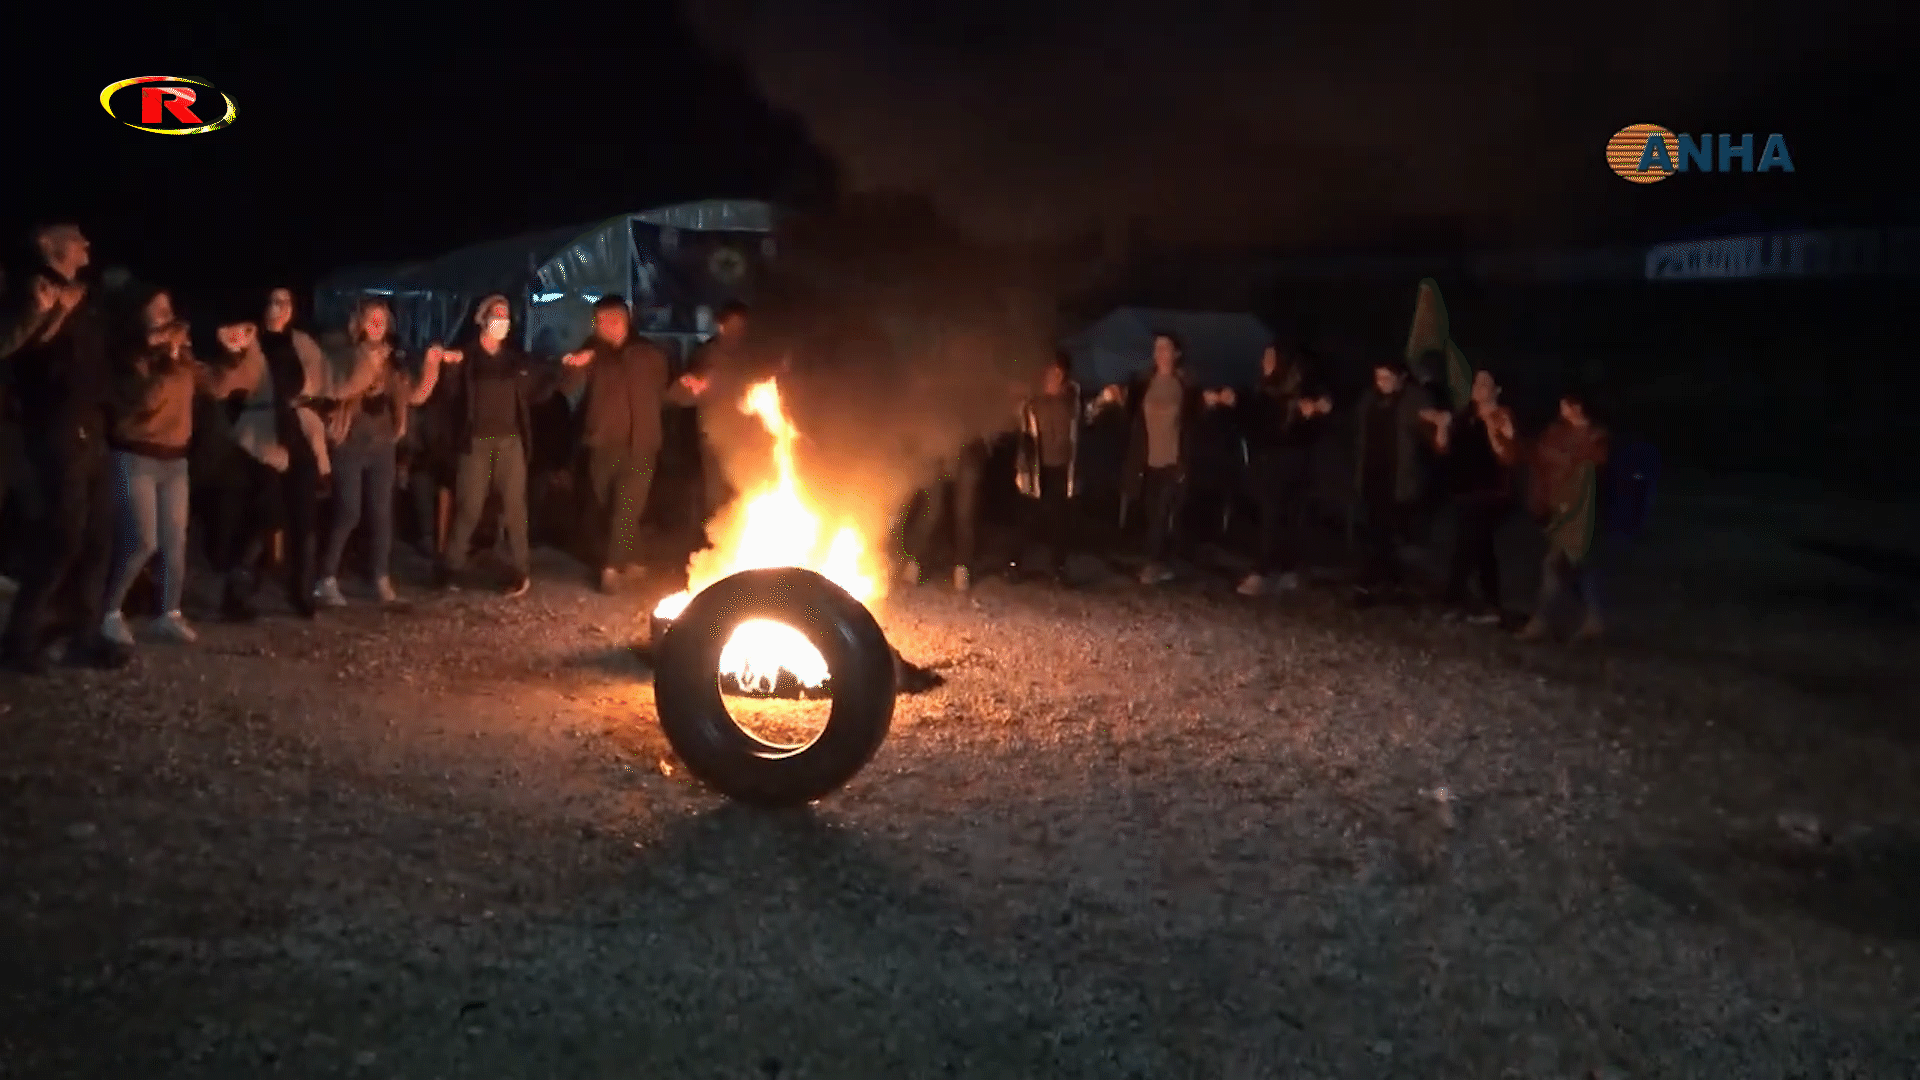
1293,512
1586,578
967,475
382,473
1488,557
1553,569
510,481
472,481
139,530
926,523
1381,541
172,506
1270,489
350,467
300,492
54,520
98,494
1056,523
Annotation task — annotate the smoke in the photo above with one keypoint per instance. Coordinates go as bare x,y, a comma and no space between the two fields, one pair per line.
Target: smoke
1278,124
895,344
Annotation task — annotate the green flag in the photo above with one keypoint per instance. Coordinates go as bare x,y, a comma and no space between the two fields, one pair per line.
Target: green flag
1433,333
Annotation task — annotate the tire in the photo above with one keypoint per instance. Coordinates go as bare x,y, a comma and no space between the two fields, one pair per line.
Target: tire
731,760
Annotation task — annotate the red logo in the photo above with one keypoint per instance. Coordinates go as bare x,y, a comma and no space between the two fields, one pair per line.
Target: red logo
169,104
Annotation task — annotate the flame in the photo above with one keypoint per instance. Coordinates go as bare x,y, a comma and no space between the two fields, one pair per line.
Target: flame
776,527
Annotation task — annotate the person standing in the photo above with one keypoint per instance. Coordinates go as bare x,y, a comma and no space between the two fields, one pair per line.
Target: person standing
1045,465
1564,496
627,380
1394,422
371,398
55,348
1166,414
952,501
489,412
297,369
1478,450
722,357
152,430
1289,422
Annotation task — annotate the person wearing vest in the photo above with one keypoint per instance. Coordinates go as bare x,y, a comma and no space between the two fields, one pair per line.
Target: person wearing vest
1045,464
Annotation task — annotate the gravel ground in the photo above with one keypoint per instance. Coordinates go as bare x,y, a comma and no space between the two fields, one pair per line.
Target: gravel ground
1135,834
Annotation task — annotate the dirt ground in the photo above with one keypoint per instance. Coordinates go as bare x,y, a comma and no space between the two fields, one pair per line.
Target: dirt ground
1152,834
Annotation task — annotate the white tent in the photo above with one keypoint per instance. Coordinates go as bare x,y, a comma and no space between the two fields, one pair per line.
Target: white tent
1222,348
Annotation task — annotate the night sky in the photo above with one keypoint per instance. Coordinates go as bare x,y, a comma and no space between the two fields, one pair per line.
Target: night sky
1358,125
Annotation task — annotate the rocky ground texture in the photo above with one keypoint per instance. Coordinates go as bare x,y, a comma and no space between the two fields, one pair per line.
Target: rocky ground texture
1167,833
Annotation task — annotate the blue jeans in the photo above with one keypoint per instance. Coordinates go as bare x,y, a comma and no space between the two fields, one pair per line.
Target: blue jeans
151,494
364,472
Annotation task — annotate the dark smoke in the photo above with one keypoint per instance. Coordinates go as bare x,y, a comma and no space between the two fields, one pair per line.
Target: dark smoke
1274,124
895,340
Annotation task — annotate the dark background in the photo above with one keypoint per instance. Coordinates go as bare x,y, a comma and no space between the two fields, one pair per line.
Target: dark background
1125,134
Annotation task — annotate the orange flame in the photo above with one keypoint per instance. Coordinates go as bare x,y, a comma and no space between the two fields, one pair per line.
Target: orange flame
776,527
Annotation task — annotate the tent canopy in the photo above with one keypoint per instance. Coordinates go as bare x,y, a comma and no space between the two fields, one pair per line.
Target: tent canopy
1222,348
577,262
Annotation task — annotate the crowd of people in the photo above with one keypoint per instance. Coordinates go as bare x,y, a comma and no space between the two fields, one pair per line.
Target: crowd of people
291,450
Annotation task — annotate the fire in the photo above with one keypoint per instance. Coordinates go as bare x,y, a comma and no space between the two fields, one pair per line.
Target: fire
776,527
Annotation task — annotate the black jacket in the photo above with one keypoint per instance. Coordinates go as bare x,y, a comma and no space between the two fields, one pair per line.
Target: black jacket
530,386
62,387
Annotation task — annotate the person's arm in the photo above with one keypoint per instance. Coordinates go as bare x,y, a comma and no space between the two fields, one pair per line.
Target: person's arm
361,378
25,325
429,378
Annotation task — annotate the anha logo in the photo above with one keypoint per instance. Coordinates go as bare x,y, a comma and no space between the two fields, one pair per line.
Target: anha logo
168,105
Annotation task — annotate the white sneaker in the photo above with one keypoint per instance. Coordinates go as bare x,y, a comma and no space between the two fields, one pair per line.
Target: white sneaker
114,629
1288,582
910,572
383,588
173,627
1252,585
327,593
962,578
1155,574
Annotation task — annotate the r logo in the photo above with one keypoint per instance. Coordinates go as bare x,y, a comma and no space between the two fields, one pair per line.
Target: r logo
167,104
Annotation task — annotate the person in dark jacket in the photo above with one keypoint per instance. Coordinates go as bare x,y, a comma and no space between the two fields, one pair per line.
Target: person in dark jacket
54,345
723,356
1048,457
1164,407
1478,449
490,413
1393,427
298,372
1289,426
627,381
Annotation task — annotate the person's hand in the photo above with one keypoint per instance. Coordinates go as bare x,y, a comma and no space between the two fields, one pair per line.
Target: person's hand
695,384
436,354
71,294
578,359
46,296
452,356
1228,397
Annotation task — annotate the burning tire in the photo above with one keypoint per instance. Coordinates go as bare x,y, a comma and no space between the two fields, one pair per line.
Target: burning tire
733,761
